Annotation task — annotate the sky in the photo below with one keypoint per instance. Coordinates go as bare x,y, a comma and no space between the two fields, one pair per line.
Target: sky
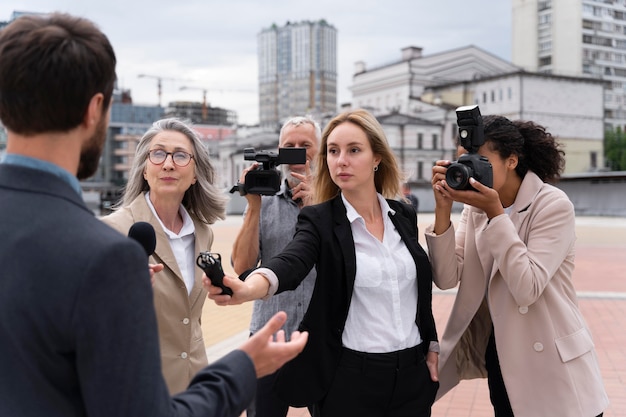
212,45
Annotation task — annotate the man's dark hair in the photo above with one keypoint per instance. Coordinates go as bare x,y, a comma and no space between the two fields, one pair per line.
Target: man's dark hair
50,68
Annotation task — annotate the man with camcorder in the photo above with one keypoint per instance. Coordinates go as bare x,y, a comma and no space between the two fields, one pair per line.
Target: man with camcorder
269,224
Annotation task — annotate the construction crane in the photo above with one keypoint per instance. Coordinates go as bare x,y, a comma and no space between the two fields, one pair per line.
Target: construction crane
159,82
205,109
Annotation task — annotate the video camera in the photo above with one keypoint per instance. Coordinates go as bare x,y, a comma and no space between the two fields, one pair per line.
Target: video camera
265,180
471,164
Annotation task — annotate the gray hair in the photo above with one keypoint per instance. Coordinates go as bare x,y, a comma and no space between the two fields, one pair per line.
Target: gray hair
203,199
301,120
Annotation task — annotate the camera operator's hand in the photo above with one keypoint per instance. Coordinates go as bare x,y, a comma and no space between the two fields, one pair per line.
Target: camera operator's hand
303,190
253,199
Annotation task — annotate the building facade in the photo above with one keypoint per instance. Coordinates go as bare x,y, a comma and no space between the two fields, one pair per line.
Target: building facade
297,71
571,108
427,89
575,38
419,122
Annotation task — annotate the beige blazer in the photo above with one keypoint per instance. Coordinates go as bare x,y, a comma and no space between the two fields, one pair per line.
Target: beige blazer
183,352
524,263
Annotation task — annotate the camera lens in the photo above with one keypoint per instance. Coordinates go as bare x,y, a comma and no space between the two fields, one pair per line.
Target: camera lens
457,176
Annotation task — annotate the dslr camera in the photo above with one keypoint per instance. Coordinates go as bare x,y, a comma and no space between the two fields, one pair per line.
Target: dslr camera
471,164
265,180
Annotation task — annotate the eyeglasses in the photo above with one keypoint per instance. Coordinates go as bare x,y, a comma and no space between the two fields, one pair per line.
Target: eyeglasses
180,158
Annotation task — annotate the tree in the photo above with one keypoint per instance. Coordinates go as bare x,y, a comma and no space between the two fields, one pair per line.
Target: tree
615,149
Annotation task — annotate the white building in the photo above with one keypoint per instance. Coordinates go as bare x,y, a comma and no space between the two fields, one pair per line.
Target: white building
427,90
575,38
399,85
420,127
570,108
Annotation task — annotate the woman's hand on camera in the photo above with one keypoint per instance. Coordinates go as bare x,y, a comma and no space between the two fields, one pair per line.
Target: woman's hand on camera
443,200
487,199
482,197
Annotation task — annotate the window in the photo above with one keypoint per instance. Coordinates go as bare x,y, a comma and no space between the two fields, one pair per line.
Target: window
593,160
543,5
420,169
546,60
420,141
435,140
545,46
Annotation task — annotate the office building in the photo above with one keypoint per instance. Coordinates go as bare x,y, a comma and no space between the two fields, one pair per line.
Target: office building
297,71
575,38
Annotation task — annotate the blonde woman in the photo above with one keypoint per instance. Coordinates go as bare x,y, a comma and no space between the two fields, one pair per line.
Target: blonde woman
372,347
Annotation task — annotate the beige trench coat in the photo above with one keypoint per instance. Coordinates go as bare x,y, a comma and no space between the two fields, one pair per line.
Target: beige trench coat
524,262
183,352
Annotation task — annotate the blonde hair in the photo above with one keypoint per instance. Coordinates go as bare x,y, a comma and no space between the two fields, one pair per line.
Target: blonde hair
387,179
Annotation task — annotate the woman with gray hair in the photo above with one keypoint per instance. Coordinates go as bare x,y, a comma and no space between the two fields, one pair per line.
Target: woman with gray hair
172,187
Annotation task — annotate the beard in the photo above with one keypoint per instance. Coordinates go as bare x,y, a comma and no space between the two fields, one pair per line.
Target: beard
291,180
91,151
286,171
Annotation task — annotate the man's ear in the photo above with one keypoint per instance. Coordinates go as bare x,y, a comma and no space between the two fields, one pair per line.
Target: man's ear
94,110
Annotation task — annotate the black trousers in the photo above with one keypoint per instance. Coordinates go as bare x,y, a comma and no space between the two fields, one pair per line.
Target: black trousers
497,391
265,402
380,385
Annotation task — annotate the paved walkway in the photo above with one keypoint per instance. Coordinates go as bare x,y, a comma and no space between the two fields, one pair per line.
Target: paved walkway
600,279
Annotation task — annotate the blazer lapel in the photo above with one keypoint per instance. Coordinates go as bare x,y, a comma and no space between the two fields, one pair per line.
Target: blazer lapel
343,232
204,239
163,251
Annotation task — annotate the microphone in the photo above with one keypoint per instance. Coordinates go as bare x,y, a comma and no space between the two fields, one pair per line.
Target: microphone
143,232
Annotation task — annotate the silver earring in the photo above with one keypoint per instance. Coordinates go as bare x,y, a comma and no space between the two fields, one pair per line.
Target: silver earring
375,168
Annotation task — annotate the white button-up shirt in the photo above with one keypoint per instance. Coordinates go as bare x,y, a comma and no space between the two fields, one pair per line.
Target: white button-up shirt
382,312
183,244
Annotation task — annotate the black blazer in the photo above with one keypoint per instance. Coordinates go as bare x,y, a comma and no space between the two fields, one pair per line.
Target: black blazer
324,238
78,329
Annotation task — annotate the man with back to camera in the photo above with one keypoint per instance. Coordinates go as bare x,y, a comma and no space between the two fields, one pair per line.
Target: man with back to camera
77,321
269,224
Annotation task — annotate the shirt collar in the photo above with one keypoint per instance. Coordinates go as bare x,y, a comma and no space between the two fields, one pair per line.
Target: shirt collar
188,227
41,165
353,215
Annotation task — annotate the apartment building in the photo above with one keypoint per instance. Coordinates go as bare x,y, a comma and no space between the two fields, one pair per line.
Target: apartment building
297,71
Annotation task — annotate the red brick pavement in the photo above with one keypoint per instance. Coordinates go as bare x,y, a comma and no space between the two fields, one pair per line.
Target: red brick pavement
600,279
